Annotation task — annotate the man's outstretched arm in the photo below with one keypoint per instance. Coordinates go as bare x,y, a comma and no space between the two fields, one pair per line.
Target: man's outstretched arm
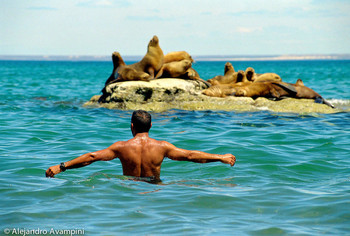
84,160
179,154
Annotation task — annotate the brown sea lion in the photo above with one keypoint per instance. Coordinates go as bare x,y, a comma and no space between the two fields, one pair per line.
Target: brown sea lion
153,61
177,56
250,74
301,91
175,69
192,74
262,89
280,90
227,78
219,90
268,77
240,77
127,73
117,62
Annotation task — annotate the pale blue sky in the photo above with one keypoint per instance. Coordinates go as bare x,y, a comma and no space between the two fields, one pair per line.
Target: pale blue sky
201,27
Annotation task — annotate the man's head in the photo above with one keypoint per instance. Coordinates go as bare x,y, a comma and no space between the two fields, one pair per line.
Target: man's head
141,122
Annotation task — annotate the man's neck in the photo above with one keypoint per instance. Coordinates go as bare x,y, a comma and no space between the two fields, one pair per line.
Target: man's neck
141,135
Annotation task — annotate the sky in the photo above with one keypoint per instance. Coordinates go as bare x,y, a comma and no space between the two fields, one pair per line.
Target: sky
201,27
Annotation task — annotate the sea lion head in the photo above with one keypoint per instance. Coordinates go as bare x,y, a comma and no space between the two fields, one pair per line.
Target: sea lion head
187,64
229,67
299,83
117,60
240,76
154,41
249,73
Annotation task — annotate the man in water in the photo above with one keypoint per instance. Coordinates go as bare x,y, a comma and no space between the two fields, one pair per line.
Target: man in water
141,156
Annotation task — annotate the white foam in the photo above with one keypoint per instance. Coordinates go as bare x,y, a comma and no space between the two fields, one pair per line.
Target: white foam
339,101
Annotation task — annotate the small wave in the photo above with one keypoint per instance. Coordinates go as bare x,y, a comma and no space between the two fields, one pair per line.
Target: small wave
340,101
342,104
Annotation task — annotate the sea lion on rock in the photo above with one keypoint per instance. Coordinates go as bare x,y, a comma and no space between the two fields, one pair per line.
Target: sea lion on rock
127,73
250,74
227,78
192,74
240,77
177,56
117,62
219,90
280,90
262,89
176,69
152,62
303,92
268,77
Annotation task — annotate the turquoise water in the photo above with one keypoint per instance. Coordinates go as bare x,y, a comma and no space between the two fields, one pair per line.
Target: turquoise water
292,174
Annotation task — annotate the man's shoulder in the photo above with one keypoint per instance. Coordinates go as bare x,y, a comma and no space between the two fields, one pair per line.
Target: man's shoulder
160,142
117,144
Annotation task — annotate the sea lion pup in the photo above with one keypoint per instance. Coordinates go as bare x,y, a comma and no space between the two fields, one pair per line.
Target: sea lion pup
117,62
177,56
227,78
250,74
219,90
175,69
303,92
268,77
153,61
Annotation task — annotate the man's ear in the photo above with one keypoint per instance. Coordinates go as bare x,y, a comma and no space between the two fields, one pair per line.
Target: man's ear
150,126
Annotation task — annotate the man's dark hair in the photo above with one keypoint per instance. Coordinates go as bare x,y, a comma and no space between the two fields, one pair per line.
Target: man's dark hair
141,120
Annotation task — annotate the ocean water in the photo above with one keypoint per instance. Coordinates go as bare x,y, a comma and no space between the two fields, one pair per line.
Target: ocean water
292,174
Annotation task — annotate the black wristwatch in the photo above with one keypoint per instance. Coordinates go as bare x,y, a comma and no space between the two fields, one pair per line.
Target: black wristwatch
63,167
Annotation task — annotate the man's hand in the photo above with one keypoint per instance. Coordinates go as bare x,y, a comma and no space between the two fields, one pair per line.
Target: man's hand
228,159
53,170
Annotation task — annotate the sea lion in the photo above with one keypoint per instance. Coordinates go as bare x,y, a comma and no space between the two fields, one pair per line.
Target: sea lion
250,74
192,74
177,56
280,90
127,73
227,78
268,77
175,69
219,90
117,62
124,73
240,77
303,92
261,89
153,61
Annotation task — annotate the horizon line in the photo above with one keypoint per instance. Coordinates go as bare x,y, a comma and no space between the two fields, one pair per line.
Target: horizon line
248,57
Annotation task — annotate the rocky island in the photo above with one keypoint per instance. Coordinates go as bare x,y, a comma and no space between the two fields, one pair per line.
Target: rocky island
162,82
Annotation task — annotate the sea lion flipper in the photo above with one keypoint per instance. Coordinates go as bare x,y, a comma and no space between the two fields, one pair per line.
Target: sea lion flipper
321,100
159,74
287,87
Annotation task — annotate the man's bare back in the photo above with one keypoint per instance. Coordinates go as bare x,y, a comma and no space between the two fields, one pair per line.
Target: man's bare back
141,156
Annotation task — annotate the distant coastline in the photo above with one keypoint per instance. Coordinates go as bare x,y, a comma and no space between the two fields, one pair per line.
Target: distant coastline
196,58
